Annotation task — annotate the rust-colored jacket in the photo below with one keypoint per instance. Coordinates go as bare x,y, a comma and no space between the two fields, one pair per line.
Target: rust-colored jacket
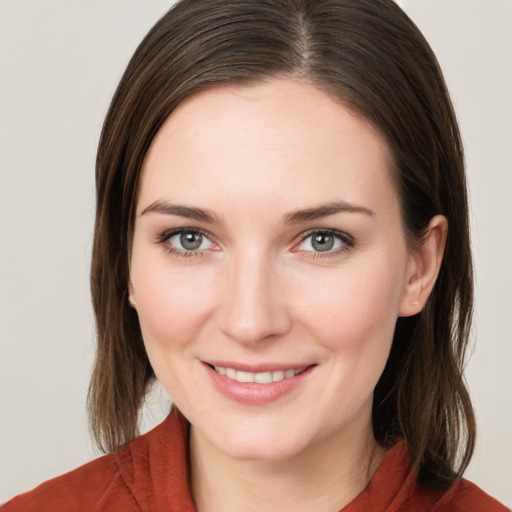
151,475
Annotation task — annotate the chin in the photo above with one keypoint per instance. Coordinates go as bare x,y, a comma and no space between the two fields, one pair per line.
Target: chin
259,442
262,451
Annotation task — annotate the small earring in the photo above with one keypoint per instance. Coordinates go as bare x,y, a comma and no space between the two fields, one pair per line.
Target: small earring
415,302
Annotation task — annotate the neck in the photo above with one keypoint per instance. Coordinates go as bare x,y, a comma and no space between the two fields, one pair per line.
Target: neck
326,476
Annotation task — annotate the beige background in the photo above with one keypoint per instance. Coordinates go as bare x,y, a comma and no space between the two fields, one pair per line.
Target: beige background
60,61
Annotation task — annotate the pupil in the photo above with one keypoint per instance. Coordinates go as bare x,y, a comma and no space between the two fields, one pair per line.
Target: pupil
323,242
191,241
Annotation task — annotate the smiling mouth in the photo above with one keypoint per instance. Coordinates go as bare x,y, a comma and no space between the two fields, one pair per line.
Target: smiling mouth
259,377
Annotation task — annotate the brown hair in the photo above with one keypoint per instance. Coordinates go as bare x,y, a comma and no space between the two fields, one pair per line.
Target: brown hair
369,55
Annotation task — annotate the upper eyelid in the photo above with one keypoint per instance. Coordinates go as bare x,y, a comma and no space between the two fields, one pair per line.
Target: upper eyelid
335,232
171,232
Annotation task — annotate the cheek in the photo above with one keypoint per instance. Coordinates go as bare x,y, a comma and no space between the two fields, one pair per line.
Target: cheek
172,303
354,308
352,316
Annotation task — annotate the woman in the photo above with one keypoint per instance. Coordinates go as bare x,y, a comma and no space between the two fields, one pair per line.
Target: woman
282,241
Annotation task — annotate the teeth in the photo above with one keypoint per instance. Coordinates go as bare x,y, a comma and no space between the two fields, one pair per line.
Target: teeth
263,377
260,377
245,376
279,375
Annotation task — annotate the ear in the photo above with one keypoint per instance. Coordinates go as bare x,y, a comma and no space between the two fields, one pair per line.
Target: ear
423,267
131,295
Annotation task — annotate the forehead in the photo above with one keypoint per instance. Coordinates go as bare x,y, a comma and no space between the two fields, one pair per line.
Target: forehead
277,137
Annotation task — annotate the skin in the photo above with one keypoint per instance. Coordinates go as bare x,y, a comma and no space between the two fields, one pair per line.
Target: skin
258,291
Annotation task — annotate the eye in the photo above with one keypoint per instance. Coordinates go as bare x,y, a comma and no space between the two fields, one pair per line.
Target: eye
190,241
186,242
325,241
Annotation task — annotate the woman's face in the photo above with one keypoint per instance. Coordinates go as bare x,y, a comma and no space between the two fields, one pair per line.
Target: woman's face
269,266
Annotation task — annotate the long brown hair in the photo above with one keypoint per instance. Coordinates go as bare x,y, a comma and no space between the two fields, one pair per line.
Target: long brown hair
369,55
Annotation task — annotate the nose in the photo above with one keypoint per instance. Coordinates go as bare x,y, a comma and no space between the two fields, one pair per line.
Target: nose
254,306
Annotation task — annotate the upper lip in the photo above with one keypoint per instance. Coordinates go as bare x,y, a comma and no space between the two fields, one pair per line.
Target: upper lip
259,367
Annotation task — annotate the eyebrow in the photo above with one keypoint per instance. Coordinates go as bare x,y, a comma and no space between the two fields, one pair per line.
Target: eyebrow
296,217
324,211
182,211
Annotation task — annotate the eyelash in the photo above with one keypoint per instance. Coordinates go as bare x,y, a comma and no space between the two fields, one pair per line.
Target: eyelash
347,242
164,238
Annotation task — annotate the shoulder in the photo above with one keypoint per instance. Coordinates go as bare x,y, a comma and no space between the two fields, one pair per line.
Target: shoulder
463,496
87,488
153,468
468,496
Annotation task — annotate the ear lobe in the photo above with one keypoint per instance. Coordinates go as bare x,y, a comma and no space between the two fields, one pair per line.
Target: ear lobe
131,295
424,265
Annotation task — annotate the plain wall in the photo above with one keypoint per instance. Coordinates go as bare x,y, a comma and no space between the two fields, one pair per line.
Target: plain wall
60,61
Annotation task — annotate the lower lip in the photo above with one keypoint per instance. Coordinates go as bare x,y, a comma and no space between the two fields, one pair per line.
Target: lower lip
251,393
